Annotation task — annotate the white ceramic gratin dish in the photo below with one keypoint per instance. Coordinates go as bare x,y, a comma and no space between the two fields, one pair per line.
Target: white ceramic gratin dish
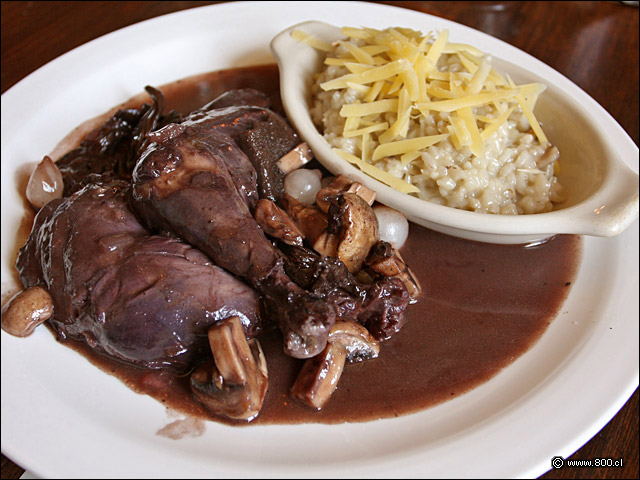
602,192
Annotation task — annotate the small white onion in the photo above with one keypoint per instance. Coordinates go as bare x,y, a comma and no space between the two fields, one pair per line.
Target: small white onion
45,183
303,184
393,226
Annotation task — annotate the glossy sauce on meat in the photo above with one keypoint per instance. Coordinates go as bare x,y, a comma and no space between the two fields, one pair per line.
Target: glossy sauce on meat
481,307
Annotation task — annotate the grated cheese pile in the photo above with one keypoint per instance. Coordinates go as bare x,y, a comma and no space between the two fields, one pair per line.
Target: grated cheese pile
398,75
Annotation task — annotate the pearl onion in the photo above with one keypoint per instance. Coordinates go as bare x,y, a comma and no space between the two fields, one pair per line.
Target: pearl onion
393,226
303,184
45,183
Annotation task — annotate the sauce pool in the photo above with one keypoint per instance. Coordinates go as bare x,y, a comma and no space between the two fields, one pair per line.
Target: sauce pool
481,307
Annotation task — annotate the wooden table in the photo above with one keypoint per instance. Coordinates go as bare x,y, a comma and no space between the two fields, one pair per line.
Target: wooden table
595,44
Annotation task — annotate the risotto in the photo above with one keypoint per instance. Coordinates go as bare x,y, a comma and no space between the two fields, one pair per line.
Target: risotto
433,119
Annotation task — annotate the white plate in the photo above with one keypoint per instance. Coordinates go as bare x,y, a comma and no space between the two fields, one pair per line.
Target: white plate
62,417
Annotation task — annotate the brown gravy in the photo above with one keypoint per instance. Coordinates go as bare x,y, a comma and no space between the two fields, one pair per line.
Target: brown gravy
482,306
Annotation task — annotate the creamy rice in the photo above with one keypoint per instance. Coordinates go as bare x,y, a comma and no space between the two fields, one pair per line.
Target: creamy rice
515,176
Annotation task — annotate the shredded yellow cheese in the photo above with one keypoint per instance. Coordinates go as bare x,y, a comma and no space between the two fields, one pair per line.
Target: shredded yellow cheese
362,109
370,75
405,146
371,128
312,41
398,77
359,54
378,173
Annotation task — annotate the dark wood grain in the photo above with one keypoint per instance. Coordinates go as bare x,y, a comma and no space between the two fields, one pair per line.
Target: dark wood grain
595,44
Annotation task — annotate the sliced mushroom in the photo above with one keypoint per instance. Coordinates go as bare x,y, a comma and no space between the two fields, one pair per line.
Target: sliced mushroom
319,377
26,310
363,192
235,385
341,184
276,223
384,259
327,244
295,159
359,229
311,221
356,339
348,342
337,185
348,232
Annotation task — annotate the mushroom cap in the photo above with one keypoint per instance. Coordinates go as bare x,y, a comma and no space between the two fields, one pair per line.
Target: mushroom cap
359,230
235,383
356,339
26,310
